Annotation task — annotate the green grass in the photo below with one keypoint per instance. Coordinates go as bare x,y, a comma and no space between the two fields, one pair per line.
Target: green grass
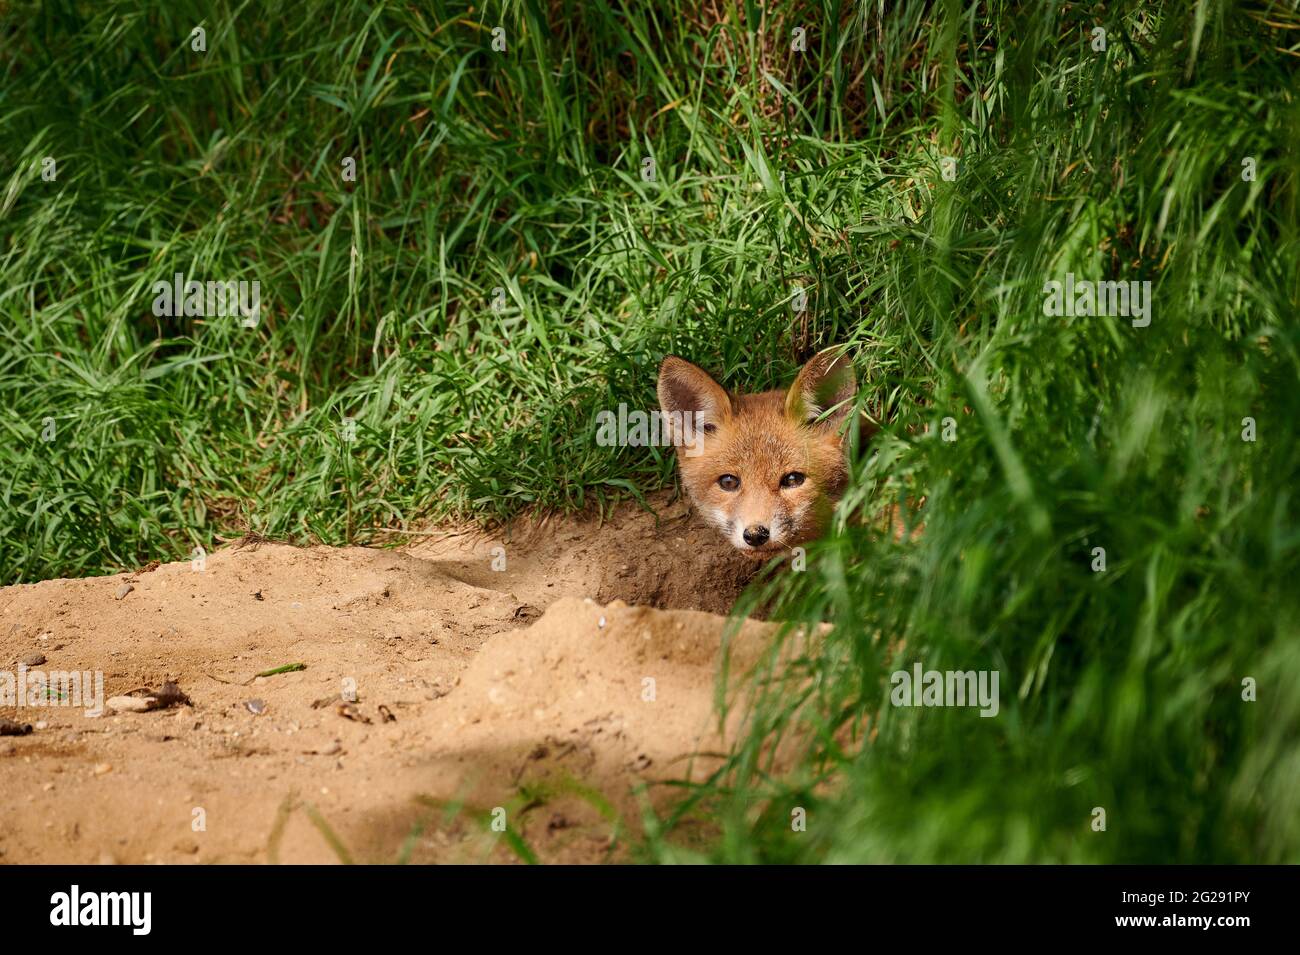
522,170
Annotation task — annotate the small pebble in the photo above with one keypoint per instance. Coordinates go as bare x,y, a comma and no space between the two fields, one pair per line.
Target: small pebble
33,659
256,707
103,769
127,704
123,591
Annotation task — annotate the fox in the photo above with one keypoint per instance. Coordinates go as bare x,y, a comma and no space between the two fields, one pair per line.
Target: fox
766,469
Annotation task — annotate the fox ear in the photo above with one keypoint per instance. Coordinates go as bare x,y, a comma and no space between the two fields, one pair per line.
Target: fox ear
826,381
684,387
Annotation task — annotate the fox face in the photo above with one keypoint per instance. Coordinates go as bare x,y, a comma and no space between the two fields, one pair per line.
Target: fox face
770,467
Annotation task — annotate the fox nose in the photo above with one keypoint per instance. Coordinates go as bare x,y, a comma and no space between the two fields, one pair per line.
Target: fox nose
755,535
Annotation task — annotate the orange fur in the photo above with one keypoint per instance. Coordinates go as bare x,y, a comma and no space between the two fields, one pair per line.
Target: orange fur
759,440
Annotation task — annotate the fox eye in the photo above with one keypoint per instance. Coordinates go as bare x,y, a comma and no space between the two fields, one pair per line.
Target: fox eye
793,479
729,482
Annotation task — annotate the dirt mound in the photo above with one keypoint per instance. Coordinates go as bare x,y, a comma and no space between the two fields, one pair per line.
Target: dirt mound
667,558
465,682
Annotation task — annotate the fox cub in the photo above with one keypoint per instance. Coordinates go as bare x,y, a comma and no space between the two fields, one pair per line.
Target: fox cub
766,469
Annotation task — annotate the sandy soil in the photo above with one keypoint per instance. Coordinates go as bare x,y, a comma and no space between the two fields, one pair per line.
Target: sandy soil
548,694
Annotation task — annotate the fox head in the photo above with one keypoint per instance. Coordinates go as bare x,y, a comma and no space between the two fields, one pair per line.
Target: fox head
765,469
